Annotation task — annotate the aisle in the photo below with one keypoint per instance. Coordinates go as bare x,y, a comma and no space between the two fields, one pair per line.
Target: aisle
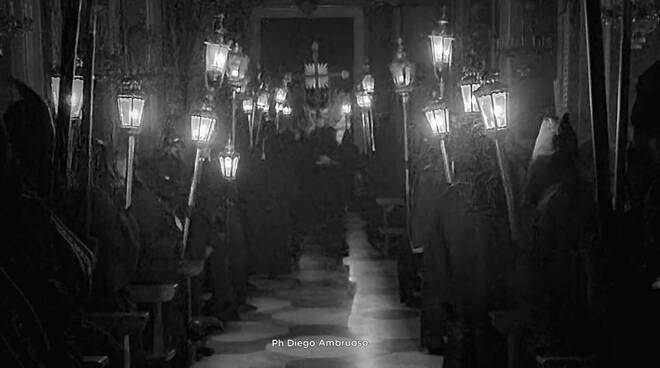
348,309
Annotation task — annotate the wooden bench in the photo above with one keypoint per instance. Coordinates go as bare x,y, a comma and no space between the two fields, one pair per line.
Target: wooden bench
386,231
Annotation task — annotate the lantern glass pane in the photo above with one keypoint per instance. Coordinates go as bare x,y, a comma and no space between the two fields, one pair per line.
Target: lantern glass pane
77,98
55,91
286,111
136,111
499,100
486,106
234,166
466,93
216,58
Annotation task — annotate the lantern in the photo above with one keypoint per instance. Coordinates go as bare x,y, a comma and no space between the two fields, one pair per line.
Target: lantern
469,84
403,71
368,83
493,99
131,105
262,101
346,107
229,162
202,124
217,51
248,105
76,99
437,115
363,100
237,66
441,44
286,110
279,107
280,95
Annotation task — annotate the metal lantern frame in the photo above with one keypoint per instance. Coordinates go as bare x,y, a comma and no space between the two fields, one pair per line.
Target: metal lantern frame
237,67
437,115
229,160
402,70
442,44
75,100
217,52
202,125
493,99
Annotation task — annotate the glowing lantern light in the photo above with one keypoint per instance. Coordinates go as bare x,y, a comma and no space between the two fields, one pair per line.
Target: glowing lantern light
217,51
202,124
437,115
229,162
493,99
346,107
469,84
237,66
248,105
363,100
131,105
441,44
280,95
403,71
262,101
76,99
286,110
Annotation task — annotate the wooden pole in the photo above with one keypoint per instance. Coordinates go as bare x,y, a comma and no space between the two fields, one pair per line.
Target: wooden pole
191,202
601,152
622,115
406,162
508,193
90,117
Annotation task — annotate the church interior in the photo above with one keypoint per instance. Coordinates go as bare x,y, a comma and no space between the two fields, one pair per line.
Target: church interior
329,183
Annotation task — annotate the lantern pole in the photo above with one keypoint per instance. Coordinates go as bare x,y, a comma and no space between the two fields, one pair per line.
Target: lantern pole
622,123
191,201
404,104
90,133
130,159
445,159
234,91
508,190
251,119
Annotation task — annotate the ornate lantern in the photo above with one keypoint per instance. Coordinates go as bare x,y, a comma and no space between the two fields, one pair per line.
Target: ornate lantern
217,51
363,100
493,99
280,95
286,110
403,71
202,124
131,105
262,101
441,44
237,66
469,84
229,162
346,107
437,115
367,80
248,105
76,99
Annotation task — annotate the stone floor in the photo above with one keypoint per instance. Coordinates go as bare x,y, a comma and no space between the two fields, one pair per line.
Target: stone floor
336,313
